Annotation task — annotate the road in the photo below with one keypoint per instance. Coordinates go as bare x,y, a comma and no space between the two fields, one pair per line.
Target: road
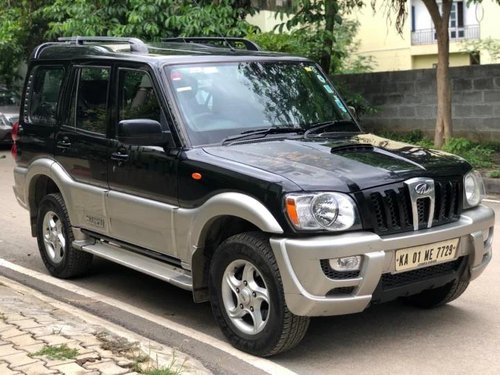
460,338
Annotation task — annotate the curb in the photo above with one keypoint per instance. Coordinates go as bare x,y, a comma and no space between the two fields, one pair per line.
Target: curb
117,344
492,185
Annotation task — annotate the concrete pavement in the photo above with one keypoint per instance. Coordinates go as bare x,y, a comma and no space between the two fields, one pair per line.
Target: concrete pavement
39,336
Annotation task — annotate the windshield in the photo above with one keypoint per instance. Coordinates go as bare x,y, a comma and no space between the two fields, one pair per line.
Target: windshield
219,100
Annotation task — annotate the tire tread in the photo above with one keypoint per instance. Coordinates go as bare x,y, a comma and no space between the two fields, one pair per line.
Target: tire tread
78,262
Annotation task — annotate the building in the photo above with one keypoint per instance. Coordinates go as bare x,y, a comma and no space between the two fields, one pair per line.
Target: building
416,48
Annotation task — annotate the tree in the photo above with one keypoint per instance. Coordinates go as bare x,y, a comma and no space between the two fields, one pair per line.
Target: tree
300,42
150,19
320,18
440,14
27,23
21,29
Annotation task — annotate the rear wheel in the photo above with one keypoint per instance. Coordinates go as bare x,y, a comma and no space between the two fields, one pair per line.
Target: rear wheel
438,296
247,297
55,238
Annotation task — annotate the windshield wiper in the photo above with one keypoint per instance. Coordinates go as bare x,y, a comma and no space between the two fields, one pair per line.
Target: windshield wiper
334,123
261,132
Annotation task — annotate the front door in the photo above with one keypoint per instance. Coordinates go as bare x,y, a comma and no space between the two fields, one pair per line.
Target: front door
142,179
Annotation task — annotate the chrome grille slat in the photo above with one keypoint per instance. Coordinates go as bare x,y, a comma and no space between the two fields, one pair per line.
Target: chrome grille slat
391,208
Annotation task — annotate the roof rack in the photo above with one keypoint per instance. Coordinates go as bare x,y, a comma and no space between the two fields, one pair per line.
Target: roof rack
217,41
136,45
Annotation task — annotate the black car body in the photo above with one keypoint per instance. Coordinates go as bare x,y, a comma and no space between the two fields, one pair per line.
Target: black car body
243,177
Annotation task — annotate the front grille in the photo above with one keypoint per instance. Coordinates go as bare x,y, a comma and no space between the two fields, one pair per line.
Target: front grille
336,275
391,210
389,281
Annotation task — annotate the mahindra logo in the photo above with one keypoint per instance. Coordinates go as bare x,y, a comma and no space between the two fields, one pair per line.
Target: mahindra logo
423,189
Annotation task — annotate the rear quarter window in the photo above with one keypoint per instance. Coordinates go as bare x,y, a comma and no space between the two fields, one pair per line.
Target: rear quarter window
44,86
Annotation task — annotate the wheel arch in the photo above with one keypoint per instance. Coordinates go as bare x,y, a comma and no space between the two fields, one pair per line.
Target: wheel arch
40,185
221,217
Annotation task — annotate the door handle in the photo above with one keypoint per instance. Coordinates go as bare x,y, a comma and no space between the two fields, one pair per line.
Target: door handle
119,156
64,143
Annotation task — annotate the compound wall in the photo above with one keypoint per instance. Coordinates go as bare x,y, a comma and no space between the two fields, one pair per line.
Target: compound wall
406,100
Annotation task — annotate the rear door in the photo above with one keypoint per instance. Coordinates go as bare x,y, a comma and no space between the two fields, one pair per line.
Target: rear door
82,146
142,179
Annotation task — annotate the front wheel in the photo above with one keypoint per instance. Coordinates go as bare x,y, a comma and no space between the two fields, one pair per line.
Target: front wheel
55,237
247,297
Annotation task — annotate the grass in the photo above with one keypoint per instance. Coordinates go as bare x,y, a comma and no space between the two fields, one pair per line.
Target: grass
164,371
141,362
481,155
57,352
495,174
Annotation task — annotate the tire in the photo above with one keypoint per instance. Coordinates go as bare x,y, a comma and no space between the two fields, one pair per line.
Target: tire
246,294
55,238
440,296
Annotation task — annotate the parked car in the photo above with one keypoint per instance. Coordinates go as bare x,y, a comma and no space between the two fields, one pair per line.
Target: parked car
239,175
8,116
8,97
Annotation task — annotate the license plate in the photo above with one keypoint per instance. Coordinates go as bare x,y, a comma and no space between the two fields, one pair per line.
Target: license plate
424,255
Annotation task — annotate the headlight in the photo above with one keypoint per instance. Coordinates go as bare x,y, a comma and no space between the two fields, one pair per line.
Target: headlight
322,211
473,189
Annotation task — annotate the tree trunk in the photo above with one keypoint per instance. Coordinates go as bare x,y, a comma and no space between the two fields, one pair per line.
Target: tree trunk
441,21
443,130
326,57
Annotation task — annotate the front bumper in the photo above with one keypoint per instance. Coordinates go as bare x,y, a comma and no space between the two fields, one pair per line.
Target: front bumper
308,290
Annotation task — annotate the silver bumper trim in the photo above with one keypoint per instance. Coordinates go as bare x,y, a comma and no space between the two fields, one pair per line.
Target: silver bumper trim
306,286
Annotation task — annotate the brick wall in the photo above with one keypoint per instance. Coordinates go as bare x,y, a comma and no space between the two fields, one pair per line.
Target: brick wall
406,100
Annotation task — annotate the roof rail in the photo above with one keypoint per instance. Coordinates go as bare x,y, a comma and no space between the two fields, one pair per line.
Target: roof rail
208,40
38,50
136,45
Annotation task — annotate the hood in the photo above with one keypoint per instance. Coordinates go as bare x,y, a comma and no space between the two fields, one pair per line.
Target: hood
345,164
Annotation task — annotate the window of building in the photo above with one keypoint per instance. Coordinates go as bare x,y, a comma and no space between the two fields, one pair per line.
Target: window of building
413,21
457,20
44,94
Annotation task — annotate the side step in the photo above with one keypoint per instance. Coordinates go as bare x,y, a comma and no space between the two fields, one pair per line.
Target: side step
161,270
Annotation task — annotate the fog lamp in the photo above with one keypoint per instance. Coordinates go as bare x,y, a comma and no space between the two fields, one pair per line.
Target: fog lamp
352,263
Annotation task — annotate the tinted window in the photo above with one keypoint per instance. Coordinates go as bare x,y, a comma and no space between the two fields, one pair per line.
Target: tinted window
89,103
220,100
137,96
46,84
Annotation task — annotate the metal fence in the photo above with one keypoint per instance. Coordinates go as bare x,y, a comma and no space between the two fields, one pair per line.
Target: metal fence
429,36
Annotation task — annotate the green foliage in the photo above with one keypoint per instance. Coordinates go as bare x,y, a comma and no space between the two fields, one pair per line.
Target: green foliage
57,352
319,21
495,174
149,19
305,42
478,154
489,45
20,31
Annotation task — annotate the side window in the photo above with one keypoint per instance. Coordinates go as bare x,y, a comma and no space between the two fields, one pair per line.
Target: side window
45,86
137,98
89,103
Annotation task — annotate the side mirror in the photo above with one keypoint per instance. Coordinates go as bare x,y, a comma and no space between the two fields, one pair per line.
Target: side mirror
142,132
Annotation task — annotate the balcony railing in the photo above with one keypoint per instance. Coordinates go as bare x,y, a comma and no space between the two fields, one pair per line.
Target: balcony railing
428,36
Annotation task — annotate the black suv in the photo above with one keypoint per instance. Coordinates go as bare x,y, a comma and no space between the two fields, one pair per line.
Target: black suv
241,176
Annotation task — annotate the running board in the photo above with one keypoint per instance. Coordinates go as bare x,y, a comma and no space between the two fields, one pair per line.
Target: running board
161,270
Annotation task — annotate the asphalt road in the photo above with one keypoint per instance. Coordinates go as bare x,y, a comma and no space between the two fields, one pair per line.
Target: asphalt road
460,338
